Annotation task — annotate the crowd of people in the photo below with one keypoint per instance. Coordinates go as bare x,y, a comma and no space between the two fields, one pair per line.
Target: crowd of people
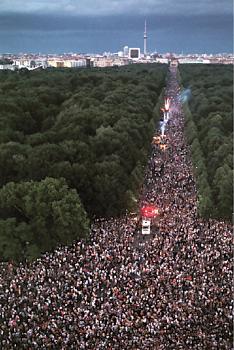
171,292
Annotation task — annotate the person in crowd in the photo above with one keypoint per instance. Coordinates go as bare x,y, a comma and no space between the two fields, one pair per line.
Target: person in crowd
113,292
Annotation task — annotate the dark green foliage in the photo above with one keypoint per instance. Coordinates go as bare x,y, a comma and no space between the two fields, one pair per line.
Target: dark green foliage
209,132
91,127
36,216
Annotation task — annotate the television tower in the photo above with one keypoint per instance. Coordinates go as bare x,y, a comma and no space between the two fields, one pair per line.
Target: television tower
145,40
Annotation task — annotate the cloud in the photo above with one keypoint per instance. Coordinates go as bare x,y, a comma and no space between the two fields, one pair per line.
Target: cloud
65,22
117,7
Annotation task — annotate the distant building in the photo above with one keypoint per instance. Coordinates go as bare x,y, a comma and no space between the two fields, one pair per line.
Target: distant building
120,61
134,53
89,62
56,63
6,66
110,61
193,60
75,63
162,60
103,62
41,63
126,51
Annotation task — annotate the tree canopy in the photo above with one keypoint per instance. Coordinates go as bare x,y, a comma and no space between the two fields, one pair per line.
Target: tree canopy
92,128
210,123
35,216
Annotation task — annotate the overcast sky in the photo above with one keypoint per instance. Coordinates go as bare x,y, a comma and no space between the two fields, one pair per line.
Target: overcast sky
111,7
98,25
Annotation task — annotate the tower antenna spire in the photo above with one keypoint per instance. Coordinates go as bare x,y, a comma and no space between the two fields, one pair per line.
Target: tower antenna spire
145,39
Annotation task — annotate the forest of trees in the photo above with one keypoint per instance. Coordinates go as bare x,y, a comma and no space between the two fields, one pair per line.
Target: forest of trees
209,130
73,145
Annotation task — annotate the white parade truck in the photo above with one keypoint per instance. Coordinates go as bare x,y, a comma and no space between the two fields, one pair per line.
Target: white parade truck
145,230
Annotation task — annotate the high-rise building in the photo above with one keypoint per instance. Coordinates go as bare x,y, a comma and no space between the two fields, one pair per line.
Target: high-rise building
145,40
134,53
126,51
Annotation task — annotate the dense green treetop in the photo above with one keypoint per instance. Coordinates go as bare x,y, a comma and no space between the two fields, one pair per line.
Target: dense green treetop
80,124
91,127
36,216
211,122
